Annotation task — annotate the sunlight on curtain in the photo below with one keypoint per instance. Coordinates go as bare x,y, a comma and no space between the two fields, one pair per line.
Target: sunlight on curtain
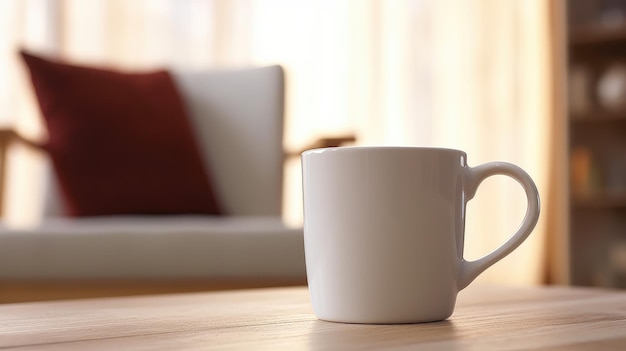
28,23
473,75
491,94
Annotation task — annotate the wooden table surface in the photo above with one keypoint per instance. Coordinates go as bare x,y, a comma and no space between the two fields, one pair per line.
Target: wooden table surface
486,318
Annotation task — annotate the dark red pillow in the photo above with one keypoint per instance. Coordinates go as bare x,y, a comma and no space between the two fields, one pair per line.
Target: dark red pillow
120,143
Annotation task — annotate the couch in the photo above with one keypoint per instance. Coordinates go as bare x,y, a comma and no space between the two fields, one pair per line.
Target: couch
69,257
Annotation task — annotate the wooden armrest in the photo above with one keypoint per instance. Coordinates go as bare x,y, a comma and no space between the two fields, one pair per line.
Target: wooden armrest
324,143
9,136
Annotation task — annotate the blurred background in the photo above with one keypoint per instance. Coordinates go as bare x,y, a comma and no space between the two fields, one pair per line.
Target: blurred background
489,77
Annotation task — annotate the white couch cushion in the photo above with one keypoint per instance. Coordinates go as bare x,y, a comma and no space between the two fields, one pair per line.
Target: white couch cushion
154,247
238,120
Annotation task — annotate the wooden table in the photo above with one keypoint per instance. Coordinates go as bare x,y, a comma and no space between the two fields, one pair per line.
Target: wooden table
486,318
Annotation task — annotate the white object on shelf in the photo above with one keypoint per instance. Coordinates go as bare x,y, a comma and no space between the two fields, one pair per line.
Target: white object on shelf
612,87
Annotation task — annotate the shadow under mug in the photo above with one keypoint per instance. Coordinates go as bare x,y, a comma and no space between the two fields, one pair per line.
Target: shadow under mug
384,230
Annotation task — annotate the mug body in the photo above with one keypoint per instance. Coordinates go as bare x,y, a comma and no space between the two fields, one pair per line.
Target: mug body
383,232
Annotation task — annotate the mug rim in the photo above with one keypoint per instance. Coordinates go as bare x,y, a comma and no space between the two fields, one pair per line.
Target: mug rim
371,148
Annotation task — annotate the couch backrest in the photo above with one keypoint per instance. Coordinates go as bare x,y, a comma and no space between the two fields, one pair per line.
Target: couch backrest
237,117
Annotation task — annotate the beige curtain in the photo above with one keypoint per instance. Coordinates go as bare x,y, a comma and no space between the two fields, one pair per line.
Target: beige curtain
476,75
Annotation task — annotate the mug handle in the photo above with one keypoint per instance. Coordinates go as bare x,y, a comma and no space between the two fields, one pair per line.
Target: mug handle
469,270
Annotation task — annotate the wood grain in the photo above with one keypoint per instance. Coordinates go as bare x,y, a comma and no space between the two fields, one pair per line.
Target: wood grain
486,318
29,290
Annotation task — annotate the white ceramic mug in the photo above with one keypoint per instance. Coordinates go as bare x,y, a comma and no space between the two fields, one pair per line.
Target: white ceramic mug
384,231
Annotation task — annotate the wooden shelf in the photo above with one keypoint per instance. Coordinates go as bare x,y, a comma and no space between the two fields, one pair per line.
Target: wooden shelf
597,35
604,200
597,140
598,117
